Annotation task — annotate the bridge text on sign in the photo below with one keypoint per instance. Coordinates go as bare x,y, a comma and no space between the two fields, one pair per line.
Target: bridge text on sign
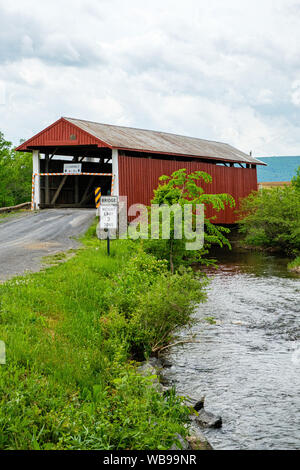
108,213
109,200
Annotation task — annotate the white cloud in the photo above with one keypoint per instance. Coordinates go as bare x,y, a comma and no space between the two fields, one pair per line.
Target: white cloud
295,93
218,70
2,93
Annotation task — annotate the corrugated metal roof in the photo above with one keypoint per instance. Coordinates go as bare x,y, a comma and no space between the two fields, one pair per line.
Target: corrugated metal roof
128,138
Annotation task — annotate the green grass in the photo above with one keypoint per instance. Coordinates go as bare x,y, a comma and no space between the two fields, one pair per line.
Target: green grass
73,333
7,215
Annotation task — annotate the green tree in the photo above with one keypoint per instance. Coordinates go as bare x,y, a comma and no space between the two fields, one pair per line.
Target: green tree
183,188
15,174
270,218
296,180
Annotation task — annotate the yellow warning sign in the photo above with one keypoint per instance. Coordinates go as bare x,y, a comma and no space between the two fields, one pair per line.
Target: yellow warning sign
97,197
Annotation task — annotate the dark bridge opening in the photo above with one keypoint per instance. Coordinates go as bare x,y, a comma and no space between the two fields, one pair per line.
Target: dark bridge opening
74,190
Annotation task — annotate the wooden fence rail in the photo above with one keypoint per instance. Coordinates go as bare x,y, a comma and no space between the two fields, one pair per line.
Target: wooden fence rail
25,205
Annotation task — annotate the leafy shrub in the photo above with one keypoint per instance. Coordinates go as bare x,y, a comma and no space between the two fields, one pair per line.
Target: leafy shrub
165,306
181,189
271,218
149,303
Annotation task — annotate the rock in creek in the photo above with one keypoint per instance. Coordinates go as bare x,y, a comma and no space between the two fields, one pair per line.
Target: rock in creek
196,440
199,442
165,362
199,405
195,403
204,418
182,444
155,362
208,420
146,369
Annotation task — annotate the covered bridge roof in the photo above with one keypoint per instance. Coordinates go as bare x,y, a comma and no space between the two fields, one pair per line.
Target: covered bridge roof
141,140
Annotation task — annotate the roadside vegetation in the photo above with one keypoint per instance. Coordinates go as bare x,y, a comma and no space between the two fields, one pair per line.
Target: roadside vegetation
270,218
75,332
15,175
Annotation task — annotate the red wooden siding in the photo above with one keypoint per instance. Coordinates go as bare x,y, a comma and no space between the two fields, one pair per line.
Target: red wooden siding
60,133
139,176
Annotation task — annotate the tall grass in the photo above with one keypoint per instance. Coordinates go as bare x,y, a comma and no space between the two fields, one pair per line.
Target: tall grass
73,333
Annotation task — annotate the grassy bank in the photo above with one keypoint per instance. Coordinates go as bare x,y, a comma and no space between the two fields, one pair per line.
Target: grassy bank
295,265
73,334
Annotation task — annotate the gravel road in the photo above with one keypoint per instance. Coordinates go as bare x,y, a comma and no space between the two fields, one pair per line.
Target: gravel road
25,239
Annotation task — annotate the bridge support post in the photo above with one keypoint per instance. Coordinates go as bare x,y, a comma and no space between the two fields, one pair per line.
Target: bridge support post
36,170
115,171
47,193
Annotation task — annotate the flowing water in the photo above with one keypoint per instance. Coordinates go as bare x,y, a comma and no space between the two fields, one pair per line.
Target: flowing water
247,364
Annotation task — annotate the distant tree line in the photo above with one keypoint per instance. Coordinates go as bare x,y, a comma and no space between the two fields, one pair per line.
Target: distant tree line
15,174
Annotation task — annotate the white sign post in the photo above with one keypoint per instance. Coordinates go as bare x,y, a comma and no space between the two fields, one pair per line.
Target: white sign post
108,212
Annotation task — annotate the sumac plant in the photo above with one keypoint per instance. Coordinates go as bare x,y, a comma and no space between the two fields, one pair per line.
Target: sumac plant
182,188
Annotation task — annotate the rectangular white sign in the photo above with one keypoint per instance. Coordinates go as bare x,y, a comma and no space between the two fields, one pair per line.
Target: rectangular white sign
72,168
108,217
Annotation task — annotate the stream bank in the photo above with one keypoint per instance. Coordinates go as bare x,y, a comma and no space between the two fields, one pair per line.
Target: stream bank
247,359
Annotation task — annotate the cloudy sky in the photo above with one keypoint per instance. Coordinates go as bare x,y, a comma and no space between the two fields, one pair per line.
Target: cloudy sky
225,70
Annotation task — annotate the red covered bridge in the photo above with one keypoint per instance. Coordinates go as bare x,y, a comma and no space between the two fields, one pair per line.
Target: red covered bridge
134,159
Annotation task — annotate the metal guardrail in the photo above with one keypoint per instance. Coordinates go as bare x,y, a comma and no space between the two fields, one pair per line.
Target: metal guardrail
15,208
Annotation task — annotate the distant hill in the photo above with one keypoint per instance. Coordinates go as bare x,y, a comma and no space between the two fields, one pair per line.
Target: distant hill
278,169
